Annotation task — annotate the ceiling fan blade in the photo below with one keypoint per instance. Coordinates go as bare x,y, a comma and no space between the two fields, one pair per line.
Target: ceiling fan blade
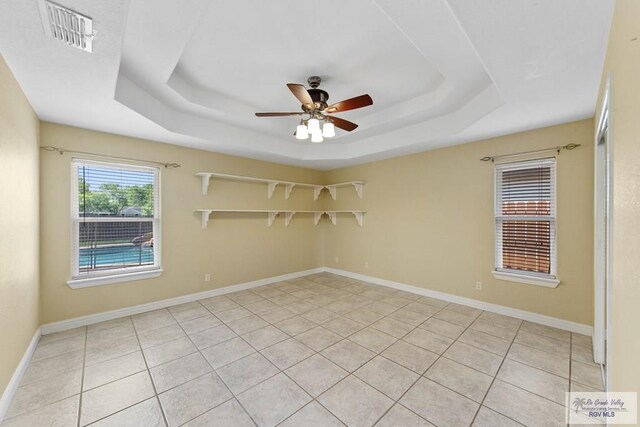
278,114
342,123
300,92
349,104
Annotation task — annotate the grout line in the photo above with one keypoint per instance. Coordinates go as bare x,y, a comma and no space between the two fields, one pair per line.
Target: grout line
84,357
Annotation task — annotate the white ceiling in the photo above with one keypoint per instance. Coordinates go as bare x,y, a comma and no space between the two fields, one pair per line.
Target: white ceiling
440,72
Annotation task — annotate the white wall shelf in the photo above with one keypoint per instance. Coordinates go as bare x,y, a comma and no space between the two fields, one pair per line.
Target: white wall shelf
205,215
288,185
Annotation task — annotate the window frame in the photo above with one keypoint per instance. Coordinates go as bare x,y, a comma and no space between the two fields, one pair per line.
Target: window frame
549,280
120,275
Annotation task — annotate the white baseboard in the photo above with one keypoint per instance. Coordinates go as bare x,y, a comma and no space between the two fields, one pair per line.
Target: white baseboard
137,309
11,388
555,322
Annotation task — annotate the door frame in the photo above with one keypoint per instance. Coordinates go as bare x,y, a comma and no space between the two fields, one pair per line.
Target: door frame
603,225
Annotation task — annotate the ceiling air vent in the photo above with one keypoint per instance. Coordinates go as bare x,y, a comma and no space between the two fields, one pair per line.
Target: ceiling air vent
66,25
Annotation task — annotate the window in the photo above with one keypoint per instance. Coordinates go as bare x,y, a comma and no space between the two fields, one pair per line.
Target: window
116,223
525,221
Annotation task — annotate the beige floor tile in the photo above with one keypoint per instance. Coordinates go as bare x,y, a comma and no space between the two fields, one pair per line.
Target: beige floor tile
295,325
443,328
355,403
387,377
464,309
147,414
522,406
112,370
478,359
190,313
396,300
113,397
272,401
300,306
505,332
581,340
409,317
435,402
193,399
284,299
319,300
343,326
260,306
213,336
433,301
540,359
287,353
582,354
318,338
373,339
63,413
233,314
199,324
227,352
98,337
364,316
245,373
381,308
109,324
47,368
424,309
410,356
313,414
542,383
179,371
398,415
500,319
58,347
392,327
158,336
278,314
265,337
340,307
485,342
57,336
316,374
153,320
169,351
428,340
548,331
247,324
219,304
587,374
229,414
111,350
542,342
245,298
348,355
459,378
488,418
41,393
455,317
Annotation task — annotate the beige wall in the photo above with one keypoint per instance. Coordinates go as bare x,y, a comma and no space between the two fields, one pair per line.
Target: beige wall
623,64
429,222
18,224
234,249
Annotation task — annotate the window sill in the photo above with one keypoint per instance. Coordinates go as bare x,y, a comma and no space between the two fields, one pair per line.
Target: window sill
547,282
88,282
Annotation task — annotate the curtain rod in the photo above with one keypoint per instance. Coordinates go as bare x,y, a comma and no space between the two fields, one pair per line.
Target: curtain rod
61,151
524,153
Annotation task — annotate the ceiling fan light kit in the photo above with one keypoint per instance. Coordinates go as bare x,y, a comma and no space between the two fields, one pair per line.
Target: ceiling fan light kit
314,104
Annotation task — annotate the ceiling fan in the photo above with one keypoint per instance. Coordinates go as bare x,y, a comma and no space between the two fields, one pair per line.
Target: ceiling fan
314,104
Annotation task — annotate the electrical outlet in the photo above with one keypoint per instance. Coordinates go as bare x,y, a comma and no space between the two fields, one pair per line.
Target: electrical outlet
207,277
478,286
366,264
337,260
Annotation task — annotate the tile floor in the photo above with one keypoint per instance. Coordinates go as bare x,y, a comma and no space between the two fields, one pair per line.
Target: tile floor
322,350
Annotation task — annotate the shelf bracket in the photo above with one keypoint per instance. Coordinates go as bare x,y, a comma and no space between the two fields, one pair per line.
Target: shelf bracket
332,217
204,218
271,216
287,218
359,188
316,217
287,190
316,192
271,187
359,217
205,183
332,191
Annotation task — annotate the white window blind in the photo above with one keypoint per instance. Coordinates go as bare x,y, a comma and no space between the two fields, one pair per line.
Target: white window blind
116,219
525,218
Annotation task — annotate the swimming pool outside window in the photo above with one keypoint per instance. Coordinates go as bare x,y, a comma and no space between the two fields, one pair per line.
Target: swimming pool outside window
116,223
